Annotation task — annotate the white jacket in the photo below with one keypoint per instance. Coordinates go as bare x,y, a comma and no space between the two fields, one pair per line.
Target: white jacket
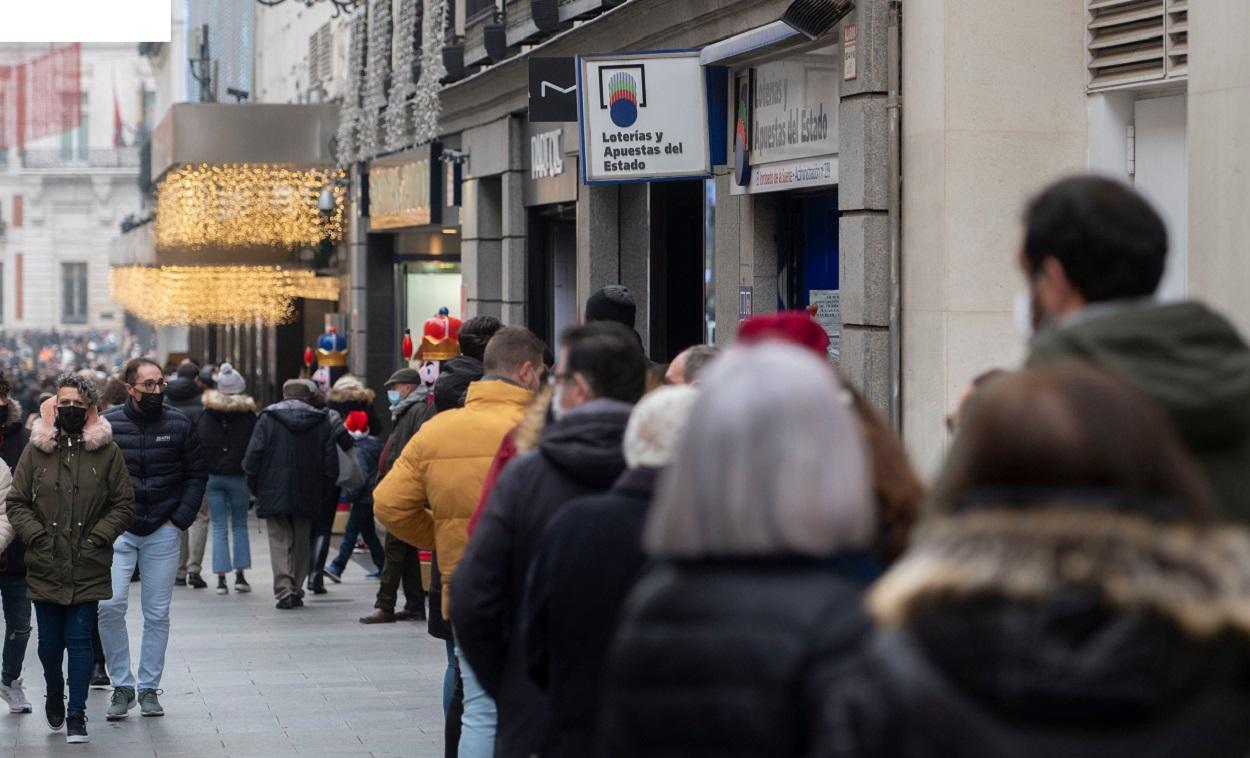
6,529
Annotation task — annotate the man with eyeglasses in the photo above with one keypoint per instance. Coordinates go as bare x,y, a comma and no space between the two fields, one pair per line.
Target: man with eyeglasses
167,472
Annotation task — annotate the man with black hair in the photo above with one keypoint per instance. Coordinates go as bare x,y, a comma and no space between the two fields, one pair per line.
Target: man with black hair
1094,253
457,374
600,375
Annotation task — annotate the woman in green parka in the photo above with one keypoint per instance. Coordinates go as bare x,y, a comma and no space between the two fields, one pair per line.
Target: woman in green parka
71,498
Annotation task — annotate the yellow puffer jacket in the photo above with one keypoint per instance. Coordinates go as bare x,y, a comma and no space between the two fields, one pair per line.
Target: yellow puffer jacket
428,496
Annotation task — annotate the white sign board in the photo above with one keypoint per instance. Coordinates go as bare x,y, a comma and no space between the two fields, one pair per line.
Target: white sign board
788,175
829,315
643,117
794,111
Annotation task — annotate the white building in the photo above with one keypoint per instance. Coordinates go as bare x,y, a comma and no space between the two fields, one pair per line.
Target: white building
63,196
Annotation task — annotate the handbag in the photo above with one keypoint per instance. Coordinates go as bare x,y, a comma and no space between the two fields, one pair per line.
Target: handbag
350,474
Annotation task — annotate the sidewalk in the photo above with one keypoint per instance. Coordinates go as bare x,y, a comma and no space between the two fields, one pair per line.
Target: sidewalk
245,679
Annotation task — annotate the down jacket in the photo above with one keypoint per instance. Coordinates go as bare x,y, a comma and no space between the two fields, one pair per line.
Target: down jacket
225,429
291,462
427,498
166,466
71,499
13,438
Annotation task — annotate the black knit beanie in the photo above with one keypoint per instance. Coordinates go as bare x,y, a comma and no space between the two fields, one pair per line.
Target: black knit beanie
612,303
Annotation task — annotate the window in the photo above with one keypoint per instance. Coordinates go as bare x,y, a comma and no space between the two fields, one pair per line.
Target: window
74,293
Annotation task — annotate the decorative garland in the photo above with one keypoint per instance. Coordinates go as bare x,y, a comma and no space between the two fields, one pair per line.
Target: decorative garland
427,107
377,72
403,85
348,150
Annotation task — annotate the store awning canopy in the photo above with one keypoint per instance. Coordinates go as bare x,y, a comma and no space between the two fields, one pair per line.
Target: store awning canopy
750,44
242,133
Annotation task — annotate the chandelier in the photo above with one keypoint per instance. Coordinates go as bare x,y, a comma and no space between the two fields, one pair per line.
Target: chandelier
229,295
340,6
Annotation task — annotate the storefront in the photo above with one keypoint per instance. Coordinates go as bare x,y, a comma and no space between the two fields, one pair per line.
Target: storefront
550,197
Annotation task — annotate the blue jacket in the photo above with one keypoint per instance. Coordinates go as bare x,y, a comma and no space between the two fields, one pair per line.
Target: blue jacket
368,451
165,464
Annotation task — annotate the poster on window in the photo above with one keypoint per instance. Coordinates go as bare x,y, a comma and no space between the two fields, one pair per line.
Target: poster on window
829,316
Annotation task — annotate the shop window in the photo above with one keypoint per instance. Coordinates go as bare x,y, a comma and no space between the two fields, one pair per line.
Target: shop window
74,293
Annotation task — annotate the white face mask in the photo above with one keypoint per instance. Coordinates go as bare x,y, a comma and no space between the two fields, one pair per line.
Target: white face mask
557,401
1023,314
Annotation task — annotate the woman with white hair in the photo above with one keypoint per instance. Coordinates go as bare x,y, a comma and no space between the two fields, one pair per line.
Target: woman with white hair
761,534
589,558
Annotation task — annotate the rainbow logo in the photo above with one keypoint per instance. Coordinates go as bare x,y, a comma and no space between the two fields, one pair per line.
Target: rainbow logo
623,99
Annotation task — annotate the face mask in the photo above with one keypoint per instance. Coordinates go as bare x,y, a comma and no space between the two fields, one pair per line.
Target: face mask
150,402
1022,312
71,419
392,397
557,402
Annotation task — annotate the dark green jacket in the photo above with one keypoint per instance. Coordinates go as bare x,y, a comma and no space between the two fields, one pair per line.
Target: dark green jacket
71,498
1189,359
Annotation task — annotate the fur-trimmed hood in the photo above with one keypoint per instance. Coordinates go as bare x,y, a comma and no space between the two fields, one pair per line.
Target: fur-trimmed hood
348,389
216,401
12,412
1197,578
43,434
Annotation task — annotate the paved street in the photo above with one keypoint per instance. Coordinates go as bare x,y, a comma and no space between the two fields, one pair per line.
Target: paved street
245,679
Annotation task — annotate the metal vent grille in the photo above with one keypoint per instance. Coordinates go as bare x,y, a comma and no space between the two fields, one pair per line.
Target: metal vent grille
814,18
321,55
1132,42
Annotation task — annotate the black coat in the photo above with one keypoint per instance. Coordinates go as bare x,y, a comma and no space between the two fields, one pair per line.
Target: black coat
184,394
732,658
367,451
225,429
989,646
13,439
165,463
577,456
584,567
291,462
454,379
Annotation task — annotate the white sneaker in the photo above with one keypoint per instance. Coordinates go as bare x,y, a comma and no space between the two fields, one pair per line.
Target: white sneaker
15,696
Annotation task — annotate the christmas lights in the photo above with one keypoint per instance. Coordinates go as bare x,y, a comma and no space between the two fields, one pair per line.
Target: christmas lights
247,205
184,295
427,107
347,149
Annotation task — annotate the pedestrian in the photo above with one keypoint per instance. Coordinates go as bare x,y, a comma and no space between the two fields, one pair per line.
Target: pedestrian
184,393
348,395
1069,593
70,501
427,499
456,374
1094,253
350,476
225,429
16,602
761,534
360,521
167,473
291,465
688,364
600,374
584,566
411,405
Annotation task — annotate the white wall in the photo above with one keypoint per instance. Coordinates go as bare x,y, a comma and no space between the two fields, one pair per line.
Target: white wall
282,34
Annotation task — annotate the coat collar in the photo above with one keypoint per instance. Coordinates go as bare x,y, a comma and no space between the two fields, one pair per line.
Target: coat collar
44,435
498,391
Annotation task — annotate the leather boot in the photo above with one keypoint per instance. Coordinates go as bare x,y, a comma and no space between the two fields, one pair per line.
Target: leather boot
317,562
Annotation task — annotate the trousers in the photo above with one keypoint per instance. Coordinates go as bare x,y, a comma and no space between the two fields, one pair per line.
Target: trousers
192,542
156,555
67,629
401,564
288,553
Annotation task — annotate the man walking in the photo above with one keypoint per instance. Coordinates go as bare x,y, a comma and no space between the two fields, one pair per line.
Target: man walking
291,466
184,393
167,473
601,373
428,497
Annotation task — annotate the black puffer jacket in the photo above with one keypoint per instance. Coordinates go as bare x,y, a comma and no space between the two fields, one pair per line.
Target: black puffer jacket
454,379
1057,632
733,658
165,463
225,429
184,395
13,439
292,461
578,455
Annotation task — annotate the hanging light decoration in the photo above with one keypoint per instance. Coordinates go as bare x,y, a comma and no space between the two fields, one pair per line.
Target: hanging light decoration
247,205
185,295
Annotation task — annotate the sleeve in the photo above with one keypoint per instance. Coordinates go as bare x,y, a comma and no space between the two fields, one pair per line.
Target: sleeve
841,698
480,587
121,501
400,500
254,456
6,484
19,504
194,479
534,611
330,463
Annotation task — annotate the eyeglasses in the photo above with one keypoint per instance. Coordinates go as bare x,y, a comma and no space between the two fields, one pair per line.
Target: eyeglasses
553,378
151,385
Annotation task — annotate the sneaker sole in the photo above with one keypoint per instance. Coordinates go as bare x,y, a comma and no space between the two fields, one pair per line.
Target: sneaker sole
56,728
105,686
77,739
21,709
242,590
122,717
223,591
152,714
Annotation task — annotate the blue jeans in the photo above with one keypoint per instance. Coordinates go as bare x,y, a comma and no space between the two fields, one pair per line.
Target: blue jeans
228,495
360,524
16,626
157,557
62,629
477,725
449,676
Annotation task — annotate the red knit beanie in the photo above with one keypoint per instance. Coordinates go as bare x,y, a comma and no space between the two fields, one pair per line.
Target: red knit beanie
357,421
795,327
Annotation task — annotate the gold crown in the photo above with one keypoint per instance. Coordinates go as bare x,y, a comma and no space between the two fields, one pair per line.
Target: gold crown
438,350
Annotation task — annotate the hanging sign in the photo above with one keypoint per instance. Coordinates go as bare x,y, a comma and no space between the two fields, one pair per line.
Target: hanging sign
643,117
406,189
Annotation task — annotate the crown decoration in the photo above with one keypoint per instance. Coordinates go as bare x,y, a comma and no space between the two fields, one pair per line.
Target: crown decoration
440,340
332,349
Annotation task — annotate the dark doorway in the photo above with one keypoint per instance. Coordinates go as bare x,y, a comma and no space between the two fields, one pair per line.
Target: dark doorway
677,317
807,256
552,287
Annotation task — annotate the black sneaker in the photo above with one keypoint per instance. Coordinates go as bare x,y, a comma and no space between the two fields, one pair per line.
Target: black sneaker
286,603
222,589
54,708
240,584
180,581
76,731
297,601
195,582
99,677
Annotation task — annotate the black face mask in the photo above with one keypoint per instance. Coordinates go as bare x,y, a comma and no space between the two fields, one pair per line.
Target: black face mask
71,419
150,403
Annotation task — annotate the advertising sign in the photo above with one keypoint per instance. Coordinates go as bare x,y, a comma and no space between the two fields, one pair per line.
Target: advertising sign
553,90
406,189
552,175
643,117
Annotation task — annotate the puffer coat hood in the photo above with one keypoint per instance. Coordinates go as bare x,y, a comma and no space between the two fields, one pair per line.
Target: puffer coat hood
585,444
184,394
1063,630
225,429
1193,362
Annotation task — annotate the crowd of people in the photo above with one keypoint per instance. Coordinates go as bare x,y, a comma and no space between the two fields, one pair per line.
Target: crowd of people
638,560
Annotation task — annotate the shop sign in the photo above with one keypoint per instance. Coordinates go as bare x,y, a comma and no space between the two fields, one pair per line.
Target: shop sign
552,176
546,154
745,307
553,90
643,117
406,190
789,175
828,307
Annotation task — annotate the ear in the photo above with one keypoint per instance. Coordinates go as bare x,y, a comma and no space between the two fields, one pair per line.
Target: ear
1055,290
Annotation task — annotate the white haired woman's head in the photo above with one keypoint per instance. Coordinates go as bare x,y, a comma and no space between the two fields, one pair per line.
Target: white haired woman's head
656,425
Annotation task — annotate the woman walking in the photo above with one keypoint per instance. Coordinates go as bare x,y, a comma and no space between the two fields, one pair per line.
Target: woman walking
71,498
225,428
